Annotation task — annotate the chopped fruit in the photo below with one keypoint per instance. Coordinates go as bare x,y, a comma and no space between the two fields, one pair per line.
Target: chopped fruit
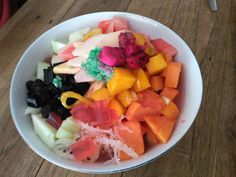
156,64
132,136
161,126
166,100
98,114
70,125
45,131
136,111
93,32
107,26
126,97
84,148
149,136
65,53
94,86
64,134
149,98
101,94
120,23
125,39
141,82
40,69
147,74
65,69
112,56
78,35
170,93
143,40
172,75
164,47
157,83
117,106
171,110
121,80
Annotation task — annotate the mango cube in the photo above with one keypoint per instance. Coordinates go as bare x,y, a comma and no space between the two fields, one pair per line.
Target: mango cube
156,64
141,82
141,40
101,94
122,79
126,97
117,106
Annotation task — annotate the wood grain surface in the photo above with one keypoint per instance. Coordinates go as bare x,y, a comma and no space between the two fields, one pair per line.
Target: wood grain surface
209,147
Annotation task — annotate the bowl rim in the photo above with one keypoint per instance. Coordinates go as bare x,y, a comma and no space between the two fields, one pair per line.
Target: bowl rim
121,169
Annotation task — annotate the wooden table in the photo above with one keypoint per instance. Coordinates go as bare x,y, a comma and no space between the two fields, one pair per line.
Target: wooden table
209,147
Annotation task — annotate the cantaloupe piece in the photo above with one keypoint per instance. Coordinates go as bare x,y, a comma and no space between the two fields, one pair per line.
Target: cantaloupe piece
157,83
170,93
101,94
133,138
171,110
161,126
150,137
172,74
117,106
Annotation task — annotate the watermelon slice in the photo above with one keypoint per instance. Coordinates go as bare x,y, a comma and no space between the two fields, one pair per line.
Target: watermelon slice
65,53
164,47
83,149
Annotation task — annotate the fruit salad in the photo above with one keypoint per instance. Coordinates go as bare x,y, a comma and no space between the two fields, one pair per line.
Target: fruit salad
106,95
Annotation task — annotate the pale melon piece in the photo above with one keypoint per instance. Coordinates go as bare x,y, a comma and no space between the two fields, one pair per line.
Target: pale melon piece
70,125
64,134
40,67
45,131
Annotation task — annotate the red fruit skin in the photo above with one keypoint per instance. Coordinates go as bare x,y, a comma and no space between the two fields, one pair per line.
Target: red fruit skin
112,56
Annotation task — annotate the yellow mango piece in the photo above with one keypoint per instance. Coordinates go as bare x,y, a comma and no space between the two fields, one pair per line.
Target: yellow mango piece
141,40
127,97
101,94
117,106
156,64
122,79
94,32
141,82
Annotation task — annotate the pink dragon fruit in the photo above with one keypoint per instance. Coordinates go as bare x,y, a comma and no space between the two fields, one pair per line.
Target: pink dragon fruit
133,49
126,39
137,61
112,56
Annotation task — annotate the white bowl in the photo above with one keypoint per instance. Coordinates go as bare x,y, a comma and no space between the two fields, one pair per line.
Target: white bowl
189,99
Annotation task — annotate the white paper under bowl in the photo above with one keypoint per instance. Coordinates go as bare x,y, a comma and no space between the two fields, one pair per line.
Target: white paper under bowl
189,99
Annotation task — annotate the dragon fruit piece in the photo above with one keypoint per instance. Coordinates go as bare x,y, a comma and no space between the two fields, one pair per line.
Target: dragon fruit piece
137,61
133,49
112,56
126,38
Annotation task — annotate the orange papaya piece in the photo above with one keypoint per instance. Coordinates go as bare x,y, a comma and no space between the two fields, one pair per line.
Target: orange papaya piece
161,126
133,138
